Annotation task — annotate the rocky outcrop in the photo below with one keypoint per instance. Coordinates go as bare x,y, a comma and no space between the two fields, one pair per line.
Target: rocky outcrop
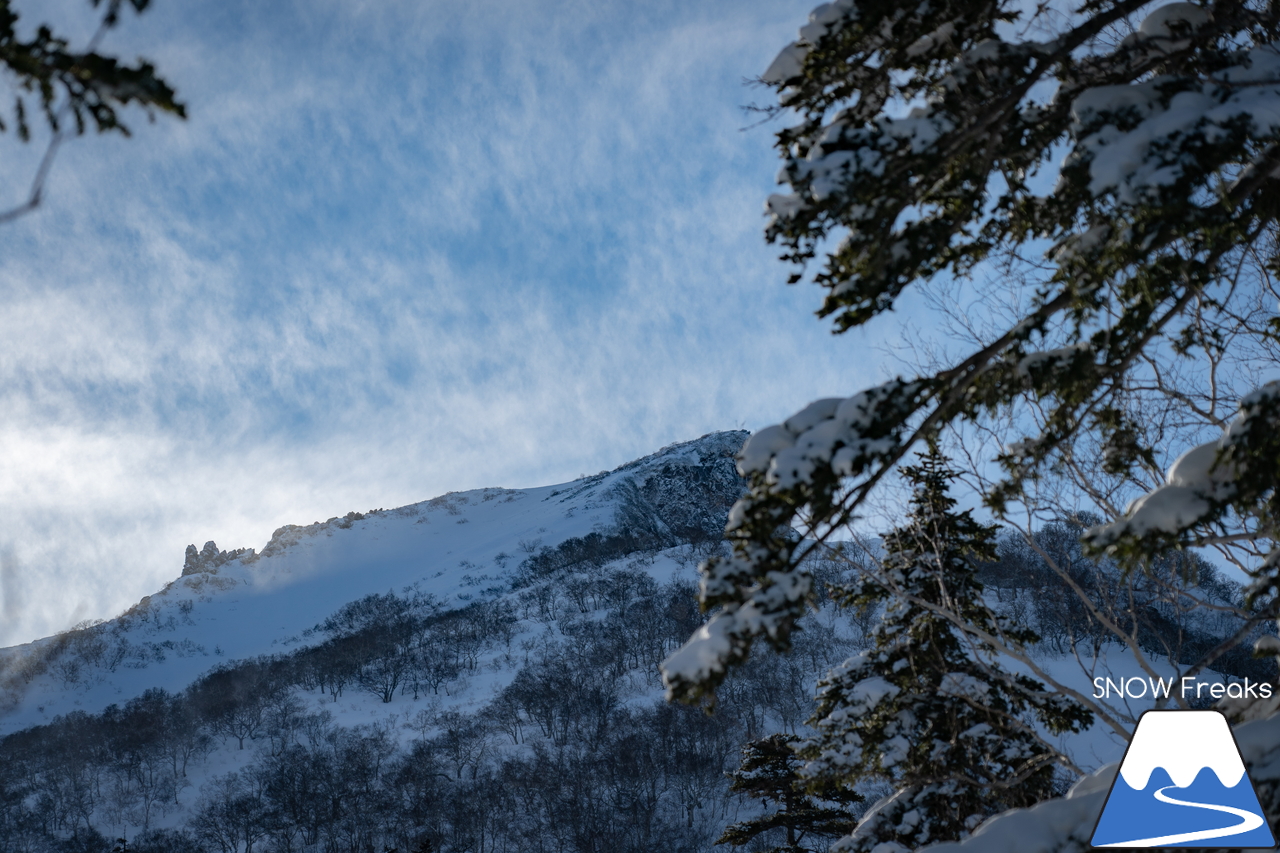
209,558
683,493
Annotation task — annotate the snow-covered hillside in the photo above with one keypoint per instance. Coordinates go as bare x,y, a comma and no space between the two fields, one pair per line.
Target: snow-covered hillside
476,672
459,548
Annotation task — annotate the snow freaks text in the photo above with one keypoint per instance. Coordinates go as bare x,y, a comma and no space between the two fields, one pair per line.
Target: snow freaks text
1140,687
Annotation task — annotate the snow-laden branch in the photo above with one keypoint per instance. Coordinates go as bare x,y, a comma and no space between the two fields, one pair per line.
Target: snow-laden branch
1236,473
1169,137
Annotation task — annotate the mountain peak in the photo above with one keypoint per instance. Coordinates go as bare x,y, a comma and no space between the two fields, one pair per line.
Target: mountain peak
459,549
712,446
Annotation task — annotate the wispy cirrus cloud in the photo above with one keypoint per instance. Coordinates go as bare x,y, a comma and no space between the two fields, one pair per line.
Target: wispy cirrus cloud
398,249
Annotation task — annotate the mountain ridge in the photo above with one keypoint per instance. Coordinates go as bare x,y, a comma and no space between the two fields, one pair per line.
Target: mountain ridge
460,547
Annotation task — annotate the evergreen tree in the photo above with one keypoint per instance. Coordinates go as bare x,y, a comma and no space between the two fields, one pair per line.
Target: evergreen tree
926,707
770,772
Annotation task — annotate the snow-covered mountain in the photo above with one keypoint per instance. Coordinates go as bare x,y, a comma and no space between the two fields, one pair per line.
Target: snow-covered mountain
475,672
459,548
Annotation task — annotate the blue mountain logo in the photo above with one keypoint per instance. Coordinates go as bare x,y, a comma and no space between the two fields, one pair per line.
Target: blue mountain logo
1182,784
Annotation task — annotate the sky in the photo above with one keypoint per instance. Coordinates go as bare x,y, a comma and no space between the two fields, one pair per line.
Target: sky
399,248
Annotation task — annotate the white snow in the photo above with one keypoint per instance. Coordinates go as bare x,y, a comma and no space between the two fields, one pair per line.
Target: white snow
786,65
1168,509
870,692
822,17
1195,484
1079,245
829,431
929,41
782,206
444,547
1161,23
1198,469
706,651
1055,826
1154,153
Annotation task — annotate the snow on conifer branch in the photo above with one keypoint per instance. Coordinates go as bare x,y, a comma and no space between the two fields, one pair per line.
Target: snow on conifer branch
922,137
1203,488
927,707
759,589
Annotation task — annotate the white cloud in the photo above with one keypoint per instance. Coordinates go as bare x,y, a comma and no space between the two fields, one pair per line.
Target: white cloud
399,248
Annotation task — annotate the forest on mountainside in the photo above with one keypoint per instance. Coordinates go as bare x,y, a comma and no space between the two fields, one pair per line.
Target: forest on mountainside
575,751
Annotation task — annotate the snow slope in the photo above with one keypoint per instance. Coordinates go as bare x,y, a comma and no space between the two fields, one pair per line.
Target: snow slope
459,548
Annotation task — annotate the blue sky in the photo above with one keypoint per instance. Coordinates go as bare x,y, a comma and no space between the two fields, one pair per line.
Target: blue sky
399,248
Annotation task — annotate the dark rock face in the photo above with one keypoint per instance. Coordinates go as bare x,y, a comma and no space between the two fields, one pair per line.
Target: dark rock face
680,494
684,493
